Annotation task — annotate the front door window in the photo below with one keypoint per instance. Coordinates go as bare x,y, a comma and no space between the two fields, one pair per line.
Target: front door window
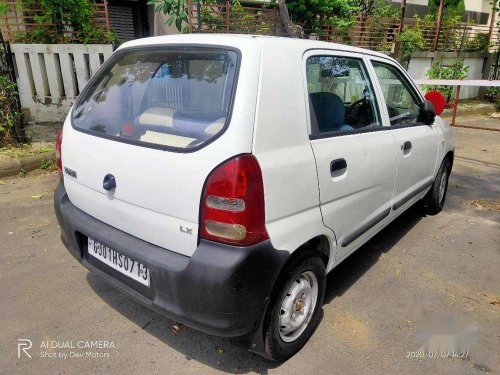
401,99
341,95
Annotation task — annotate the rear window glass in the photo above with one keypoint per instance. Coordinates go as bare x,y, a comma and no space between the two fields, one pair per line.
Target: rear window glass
163,97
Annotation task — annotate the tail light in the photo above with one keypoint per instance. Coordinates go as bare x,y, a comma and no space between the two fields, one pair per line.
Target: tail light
59,155
232,209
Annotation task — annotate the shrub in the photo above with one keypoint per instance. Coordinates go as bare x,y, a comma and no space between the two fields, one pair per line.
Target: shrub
457,70
58,17
478,43
11,124
493,96
411,39
9,115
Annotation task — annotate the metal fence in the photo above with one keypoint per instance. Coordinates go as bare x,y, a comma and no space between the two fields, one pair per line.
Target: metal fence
18,22
376,34
367,32
225,17
459,36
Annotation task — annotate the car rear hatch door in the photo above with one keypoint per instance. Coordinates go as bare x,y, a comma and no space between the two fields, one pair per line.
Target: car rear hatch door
157,121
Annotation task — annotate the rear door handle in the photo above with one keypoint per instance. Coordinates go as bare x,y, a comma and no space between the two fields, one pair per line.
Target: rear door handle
338,167
406,146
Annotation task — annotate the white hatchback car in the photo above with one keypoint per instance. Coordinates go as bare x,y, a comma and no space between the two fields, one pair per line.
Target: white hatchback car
218,178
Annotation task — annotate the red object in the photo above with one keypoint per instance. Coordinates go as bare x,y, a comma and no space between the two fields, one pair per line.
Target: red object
239,178
128,129
438,100
58,154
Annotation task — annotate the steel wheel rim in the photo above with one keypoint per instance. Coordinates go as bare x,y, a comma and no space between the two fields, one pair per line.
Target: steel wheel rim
298,306
442,185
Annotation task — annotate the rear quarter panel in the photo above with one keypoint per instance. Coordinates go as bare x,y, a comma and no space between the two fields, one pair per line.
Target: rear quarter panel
282,147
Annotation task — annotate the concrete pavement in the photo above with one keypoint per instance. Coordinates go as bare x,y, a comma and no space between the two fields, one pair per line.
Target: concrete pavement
422,275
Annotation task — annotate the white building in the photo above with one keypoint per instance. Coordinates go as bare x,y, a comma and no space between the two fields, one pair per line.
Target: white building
478,11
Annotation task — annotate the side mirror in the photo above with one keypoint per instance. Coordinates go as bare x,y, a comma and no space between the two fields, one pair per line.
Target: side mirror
427,113
438,100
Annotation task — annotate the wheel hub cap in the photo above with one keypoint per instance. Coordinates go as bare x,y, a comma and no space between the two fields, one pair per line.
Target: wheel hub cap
442,186
298,306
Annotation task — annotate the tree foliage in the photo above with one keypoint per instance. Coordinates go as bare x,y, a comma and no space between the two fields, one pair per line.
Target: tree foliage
11,130
175,10
59,16
411,39
456,70
307,13
452,8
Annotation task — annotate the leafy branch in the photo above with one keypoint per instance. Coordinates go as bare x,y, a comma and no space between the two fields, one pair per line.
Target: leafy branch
175,10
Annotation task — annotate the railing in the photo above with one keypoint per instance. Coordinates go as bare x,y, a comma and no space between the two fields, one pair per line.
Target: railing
18,22
225,17
366,32
454,37
375,34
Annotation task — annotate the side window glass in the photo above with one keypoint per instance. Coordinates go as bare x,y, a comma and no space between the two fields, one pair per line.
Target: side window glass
401,100
341,96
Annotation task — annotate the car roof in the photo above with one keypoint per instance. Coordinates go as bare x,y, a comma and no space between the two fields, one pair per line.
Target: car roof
235,40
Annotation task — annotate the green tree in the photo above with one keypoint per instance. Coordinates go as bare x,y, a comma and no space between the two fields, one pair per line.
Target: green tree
453,9
58,16
456,70
11,121
411,39
297,15
175,10
307,13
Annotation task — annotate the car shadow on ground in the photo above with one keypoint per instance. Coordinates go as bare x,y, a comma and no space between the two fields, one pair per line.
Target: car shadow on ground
350,270
220,353
464,187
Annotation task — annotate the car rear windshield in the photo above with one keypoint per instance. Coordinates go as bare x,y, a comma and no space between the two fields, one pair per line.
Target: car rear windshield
166,98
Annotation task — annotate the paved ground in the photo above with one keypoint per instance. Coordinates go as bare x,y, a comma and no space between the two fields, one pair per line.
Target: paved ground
421,275
43,132
483,120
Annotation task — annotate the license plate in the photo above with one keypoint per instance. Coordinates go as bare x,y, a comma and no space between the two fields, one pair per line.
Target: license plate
123,264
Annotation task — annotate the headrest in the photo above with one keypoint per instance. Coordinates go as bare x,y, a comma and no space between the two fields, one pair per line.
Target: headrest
329,110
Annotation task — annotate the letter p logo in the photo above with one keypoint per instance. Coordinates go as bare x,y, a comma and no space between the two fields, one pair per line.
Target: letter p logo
25,345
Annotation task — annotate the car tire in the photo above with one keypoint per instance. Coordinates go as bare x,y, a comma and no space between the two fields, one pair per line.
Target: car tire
435,198
290,322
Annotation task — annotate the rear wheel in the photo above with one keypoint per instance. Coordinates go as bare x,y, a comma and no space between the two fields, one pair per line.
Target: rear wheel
434,200
296,309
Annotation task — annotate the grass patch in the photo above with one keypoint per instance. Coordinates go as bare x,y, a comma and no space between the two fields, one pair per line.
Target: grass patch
23,150
48,164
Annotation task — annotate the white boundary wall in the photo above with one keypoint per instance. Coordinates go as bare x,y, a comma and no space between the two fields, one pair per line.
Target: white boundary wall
419,65
50,76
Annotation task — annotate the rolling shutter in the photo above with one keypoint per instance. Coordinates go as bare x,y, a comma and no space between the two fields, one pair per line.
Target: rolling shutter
121,19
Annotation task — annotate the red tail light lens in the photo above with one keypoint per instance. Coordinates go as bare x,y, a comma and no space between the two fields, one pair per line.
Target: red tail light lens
59,155
232,207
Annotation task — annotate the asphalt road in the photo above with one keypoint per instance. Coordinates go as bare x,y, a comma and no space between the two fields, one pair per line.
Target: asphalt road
422,275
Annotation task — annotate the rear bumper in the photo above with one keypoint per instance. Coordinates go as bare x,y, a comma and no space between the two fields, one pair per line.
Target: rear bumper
221,289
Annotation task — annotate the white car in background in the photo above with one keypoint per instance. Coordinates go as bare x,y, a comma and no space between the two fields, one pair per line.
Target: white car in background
218,178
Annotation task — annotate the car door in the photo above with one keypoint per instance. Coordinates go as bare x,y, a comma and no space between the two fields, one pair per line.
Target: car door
416,143
355,157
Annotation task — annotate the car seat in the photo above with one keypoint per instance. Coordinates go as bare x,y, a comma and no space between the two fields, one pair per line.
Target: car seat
330,111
